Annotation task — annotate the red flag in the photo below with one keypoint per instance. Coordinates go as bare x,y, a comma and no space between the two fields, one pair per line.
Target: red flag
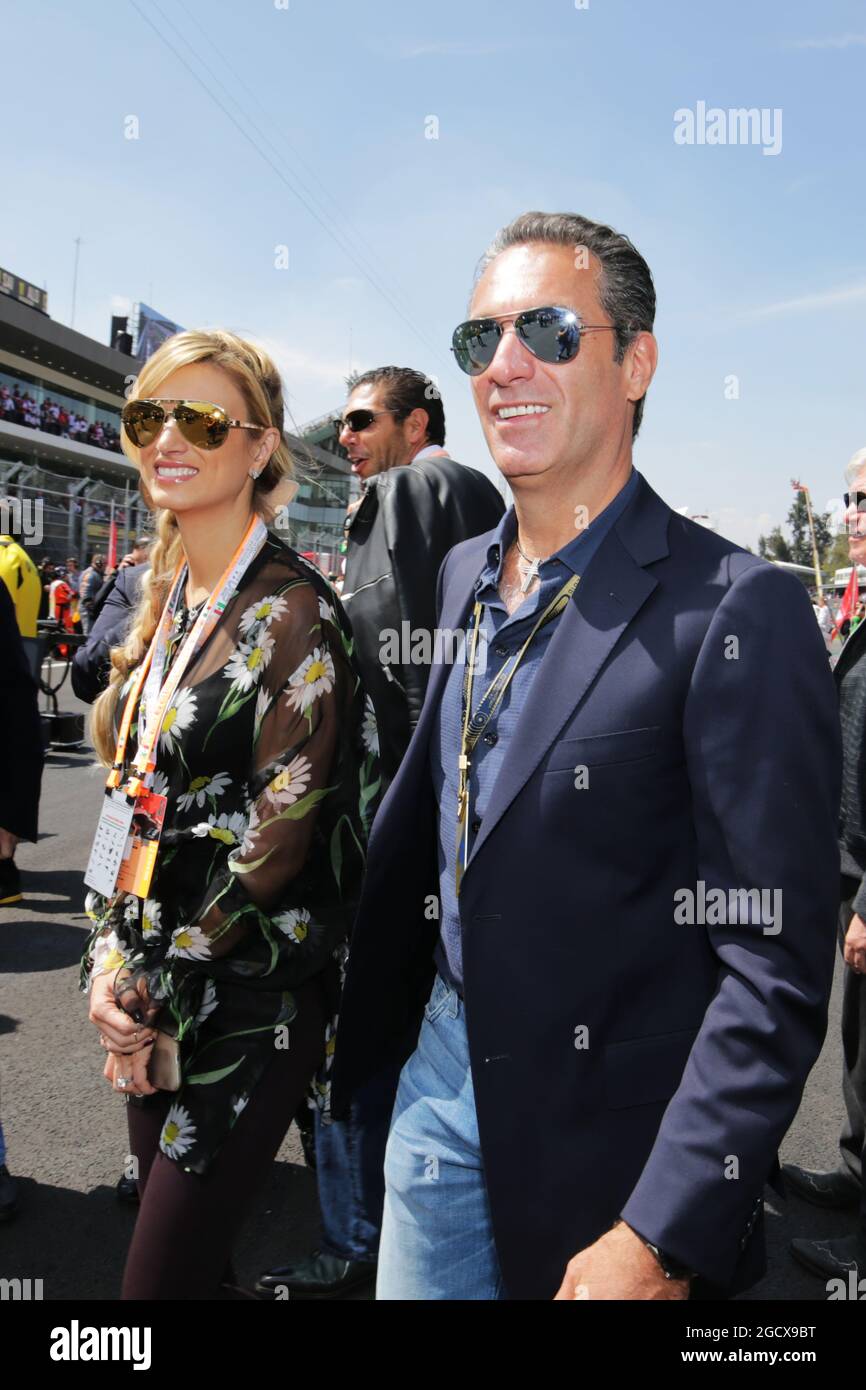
849,600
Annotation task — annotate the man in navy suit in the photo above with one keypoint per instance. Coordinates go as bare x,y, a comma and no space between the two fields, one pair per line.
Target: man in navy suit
610,849
113,613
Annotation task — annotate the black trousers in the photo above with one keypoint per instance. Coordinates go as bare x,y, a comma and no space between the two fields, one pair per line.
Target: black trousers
852,1141
187,1222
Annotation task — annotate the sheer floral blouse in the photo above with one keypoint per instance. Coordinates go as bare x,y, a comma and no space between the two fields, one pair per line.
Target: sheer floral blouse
268,756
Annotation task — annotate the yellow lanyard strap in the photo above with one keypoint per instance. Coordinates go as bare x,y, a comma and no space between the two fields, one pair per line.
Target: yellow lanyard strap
496,689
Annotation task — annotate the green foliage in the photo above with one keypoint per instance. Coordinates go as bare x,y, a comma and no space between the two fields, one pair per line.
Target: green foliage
837,556
801,544
774,546
798,548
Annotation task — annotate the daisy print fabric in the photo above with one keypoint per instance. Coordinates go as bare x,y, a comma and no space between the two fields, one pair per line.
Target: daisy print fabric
267,757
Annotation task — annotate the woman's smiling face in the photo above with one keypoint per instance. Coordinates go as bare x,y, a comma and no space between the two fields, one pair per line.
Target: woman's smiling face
184,478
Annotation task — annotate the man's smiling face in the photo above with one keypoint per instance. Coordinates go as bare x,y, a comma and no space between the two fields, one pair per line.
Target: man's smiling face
583,404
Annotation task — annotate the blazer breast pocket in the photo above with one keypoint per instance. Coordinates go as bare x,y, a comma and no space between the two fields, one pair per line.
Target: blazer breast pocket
621,746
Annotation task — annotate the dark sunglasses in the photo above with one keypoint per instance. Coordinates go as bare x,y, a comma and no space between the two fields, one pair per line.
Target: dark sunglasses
855,499
552,334
357,420
203,425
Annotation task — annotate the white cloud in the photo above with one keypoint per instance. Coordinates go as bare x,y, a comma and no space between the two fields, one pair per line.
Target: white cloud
743,528
313,386
808,303
843,41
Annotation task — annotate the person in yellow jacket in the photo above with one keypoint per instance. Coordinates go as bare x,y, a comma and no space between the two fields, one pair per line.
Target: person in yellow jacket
21,578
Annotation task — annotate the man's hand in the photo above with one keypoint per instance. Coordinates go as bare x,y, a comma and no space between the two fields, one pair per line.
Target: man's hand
619,1266
855,945
8,842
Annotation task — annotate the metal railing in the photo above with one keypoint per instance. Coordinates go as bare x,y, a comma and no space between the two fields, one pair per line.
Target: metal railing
59,516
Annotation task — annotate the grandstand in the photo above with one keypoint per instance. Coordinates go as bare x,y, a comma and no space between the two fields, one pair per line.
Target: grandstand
61,394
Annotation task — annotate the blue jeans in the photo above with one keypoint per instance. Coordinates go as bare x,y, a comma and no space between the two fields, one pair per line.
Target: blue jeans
437,1236
350,1160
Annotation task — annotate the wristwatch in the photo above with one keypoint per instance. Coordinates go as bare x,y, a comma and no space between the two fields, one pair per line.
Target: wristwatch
671,1268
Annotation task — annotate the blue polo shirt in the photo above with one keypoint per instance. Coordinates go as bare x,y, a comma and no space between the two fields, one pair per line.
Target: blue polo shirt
499,637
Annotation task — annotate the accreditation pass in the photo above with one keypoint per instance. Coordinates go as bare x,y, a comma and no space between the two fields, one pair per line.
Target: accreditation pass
109,843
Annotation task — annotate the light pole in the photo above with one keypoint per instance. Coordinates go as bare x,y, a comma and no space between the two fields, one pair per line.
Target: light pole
75,281
801,487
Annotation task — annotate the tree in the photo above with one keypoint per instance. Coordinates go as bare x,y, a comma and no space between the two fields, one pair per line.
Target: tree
774,546
837,557
801,542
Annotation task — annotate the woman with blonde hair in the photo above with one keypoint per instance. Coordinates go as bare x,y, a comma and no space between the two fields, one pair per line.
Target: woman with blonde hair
242,779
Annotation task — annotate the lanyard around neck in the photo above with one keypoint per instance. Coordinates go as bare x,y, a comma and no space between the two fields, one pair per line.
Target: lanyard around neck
159,690
475,724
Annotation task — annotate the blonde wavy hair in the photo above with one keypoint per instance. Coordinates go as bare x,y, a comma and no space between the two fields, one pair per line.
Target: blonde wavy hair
255,375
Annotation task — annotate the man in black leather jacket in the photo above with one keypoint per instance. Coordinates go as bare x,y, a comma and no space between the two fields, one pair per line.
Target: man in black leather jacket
840,1260
417,503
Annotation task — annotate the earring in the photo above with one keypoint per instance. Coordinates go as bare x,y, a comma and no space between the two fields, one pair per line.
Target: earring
254,473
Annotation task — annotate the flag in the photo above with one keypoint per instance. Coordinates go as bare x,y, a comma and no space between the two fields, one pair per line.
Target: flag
849,600
111,558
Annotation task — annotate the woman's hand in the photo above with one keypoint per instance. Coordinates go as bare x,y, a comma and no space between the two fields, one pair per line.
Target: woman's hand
133,998
127,1074
121,1033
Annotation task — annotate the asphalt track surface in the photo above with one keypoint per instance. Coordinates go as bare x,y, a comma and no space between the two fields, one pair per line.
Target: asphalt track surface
66,1131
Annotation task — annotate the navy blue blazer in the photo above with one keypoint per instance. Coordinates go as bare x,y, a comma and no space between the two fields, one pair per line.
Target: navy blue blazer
116,604
689,678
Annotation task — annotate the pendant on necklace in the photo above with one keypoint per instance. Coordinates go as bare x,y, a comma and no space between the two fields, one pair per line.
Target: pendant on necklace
531,573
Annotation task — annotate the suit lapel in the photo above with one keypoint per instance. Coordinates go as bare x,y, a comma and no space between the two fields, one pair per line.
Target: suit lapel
604,603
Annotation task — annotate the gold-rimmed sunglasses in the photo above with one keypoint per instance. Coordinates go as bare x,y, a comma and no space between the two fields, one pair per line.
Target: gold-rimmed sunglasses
202,424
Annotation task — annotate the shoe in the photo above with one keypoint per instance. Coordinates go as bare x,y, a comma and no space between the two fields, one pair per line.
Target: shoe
837,1189
10,883
9,1200
127,1191
832,1258
319,1275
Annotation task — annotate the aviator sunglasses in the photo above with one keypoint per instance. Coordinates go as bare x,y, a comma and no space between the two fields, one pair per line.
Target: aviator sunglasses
203,425
552,334
856,499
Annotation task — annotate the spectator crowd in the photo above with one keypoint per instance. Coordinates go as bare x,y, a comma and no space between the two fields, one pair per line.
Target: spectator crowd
20,408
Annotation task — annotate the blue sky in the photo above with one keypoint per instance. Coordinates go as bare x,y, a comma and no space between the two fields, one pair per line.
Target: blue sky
303,126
